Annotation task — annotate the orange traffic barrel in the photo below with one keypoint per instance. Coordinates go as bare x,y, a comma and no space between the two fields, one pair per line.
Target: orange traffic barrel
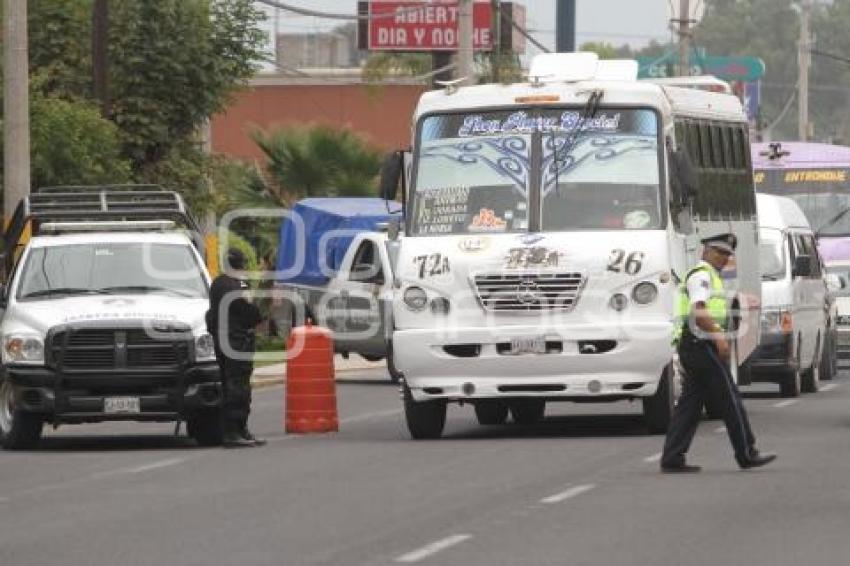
310,382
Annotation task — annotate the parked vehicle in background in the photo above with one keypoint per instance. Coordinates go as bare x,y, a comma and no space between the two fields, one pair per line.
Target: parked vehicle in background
796,349
103,314
838,271
333,263
546,226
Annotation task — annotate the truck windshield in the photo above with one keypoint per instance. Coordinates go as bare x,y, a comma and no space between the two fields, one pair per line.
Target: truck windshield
111,268
477,172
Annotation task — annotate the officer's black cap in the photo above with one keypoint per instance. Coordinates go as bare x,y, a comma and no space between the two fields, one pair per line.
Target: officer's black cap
235,258
724,242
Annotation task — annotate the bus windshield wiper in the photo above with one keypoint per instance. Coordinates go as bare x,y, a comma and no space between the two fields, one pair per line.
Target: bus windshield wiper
832,221
571,140
62,291
143,289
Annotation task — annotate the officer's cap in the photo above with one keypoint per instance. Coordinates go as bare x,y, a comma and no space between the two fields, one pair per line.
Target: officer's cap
724,242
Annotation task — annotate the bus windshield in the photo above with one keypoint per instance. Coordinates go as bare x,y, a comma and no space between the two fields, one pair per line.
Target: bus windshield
483,171
823,194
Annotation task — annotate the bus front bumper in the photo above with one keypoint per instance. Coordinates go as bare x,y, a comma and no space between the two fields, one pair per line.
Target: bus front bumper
579,363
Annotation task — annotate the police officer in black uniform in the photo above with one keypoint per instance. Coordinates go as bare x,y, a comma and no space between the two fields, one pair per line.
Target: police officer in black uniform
237,331
703,348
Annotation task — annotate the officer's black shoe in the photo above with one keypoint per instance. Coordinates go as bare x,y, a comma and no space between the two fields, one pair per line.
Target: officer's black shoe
234,440
246,434
756,460
680,469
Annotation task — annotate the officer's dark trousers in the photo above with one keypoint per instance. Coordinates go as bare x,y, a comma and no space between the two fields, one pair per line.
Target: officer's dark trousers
236,388
706,377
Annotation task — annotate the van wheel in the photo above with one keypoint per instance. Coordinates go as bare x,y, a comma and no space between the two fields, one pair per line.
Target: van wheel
828,364
19,430
206,427
395,374
491,412
425,419
658,409
527,411
810,382
790,383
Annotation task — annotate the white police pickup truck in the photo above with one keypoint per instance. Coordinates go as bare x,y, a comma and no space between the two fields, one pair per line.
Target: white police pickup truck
103,314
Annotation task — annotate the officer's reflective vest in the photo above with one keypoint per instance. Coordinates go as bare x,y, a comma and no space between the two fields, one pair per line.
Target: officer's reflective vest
716,302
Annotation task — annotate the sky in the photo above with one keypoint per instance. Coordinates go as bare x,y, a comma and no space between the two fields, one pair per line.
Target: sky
635,22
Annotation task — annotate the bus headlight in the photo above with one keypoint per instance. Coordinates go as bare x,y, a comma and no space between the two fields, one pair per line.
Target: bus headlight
440,305
415,298
24,349
644,293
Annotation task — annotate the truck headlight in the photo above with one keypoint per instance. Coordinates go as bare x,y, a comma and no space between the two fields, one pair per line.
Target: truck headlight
24,349
415,298
777,321
204,348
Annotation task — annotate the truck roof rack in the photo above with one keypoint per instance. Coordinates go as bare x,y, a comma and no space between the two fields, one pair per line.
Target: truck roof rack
99,203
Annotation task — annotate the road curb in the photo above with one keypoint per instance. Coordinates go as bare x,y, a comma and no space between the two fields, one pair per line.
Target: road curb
262,381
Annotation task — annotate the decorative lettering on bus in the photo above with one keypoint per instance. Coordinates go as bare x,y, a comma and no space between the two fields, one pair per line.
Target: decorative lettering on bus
521,122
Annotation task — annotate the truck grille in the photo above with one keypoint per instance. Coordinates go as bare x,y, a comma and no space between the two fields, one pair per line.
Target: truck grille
528,292
103,349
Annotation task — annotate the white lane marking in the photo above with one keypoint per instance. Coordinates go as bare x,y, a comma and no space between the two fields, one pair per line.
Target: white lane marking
654,458
567,494
433,548
140,469
787,403
720,430
829,387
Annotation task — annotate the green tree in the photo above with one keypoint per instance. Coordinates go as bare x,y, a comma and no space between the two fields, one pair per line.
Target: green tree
319,161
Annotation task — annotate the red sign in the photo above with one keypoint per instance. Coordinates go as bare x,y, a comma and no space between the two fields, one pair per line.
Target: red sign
425,26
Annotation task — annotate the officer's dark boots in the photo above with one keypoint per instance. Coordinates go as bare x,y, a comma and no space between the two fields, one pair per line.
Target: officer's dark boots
755,460
247,435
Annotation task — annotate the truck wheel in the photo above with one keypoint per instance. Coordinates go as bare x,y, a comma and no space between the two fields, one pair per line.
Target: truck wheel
658,409
527,411
19,430
491,412
206,427
425,419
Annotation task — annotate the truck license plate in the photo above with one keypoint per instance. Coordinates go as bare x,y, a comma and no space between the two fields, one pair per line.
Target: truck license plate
535,345
121,405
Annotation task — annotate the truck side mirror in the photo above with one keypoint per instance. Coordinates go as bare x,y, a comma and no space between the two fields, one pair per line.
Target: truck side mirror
391,172
367,273
683,174
802,266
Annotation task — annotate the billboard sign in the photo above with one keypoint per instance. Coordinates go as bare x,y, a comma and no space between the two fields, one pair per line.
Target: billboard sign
425,26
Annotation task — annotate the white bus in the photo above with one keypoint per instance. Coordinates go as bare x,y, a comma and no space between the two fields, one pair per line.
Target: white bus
547,225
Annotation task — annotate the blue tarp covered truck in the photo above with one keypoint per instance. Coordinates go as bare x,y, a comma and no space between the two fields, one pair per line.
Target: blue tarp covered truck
333,266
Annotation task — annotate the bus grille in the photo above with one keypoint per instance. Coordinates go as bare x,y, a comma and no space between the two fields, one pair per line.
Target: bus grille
528,292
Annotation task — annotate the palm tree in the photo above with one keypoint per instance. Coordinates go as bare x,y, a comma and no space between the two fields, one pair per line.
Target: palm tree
319,161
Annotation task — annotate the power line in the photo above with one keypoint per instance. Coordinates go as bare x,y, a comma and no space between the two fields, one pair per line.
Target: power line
829,55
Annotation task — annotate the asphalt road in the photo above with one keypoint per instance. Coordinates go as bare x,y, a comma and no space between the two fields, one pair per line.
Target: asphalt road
580,488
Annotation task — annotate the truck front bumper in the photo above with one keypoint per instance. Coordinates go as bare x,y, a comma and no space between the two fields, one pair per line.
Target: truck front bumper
80,397
581,363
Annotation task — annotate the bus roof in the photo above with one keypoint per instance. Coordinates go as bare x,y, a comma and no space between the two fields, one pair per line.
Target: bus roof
801,155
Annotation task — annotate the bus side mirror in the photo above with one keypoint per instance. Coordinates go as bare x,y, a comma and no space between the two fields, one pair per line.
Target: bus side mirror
683,174
802,266
391,172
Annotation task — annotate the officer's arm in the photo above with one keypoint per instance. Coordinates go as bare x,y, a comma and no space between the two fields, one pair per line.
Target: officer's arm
706,323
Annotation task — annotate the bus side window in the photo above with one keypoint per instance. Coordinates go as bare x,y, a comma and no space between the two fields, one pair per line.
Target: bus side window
692,143
705,147
717,148
728,147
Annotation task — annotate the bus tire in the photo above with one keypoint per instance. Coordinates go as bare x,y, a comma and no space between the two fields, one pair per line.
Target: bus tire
527,411
425,419
491,412
790,383
658,409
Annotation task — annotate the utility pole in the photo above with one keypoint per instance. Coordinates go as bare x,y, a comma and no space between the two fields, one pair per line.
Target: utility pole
99,52
16,114
565,26
803,61
684,38
496,39
465,47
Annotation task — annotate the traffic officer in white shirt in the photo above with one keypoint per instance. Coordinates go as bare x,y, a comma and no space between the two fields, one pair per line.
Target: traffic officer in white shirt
703,346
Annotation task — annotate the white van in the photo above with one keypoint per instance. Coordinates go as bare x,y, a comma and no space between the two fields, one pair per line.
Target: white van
794,299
